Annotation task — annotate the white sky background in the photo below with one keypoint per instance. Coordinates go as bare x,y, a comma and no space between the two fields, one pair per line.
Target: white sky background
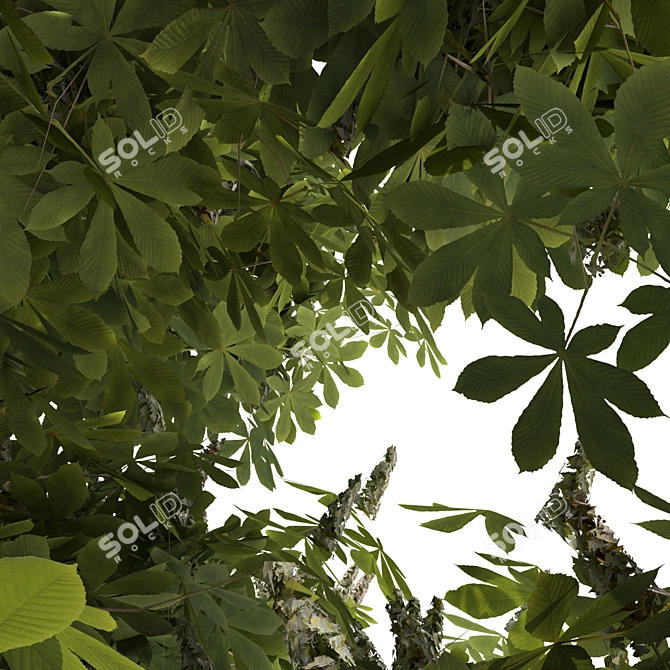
457,452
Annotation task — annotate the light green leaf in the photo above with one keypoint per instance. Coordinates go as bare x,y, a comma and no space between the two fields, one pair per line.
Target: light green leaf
450,524
98,654
549,605
40,598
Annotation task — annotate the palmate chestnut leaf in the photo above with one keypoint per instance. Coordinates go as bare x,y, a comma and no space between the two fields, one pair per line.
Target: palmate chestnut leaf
592,384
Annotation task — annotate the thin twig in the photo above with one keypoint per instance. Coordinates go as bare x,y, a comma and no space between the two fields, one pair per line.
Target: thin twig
617,18
579,251
594,261
467,67
46,137
579,311
489,69
74,102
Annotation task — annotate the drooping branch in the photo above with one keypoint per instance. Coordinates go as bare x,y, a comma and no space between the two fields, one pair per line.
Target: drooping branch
150,417
370,498
313,638
417,641
601,563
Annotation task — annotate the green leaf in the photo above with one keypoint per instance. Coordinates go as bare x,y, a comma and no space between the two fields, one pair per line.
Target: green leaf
285,255
27,39
40,599
42,656
654,629
119,393
604,437
427,206
642,114
94,566
549,605
297,27
245,385
91,616
561,17
212,381
67,491
22,419
131,100
16,528
345,14
513,315
449,524
444,273
661,528
261,355
97,257
536,434
580,158
358,261
483,601
141,582
650,499
78,325
94,652
15,261
155,374
565,657
422,27
180,39
599,614
493,377
271,65
57,207
621,387
649,19
645,342
248,652
158,444
259,620
593,340
168,180
379,50
154,237
166,288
